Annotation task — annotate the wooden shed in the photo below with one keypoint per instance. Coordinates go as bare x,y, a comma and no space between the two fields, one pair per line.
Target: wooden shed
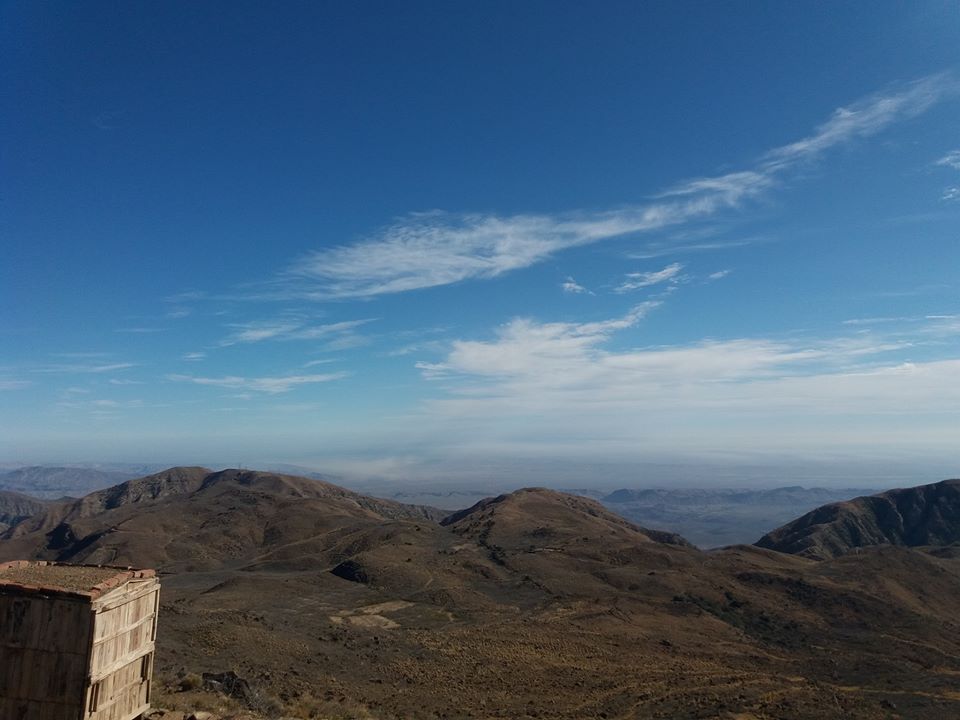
76,641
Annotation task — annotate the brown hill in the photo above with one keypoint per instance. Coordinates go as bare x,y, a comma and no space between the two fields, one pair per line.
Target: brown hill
928,515
532,604
529,514
15,507
193,518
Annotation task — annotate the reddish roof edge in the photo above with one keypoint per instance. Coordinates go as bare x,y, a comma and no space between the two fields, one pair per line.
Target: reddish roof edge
124,575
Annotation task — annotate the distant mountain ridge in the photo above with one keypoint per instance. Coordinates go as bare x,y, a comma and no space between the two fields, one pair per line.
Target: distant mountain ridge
715,517
927,515
52,482
759,495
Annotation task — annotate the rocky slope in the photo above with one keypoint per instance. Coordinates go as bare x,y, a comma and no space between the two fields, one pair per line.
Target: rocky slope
928,515
15,507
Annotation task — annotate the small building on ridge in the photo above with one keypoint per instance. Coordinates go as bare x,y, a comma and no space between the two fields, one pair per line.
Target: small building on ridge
76,641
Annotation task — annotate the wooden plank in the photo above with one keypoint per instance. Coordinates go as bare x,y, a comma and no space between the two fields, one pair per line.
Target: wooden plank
132,590
129,702
123,634
33,710
44,622
121,618
123,661
43,643
124,690
28,674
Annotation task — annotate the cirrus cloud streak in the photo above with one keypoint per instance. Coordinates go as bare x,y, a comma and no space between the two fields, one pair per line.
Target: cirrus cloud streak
269,385
432,249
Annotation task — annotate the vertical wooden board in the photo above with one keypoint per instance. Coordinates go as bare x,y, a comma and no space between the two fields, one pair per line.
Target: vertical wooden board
65,626
11,671
31,710
120,649
67,679
113,620
45,622
129,702
118,681
14,625
35,675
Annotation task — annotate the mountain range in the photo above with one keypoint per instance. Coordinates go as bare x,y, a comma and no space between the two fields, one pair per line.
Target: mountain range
51,482
534,603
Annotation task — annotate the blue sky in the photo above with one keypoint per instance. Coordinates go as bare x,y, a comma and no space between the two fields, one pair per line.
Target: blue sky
430,240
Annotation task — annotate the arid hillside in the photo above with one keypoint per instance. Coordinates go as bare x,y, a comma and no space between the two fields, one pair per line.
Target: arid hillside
532,604
15,507
191,518
927,515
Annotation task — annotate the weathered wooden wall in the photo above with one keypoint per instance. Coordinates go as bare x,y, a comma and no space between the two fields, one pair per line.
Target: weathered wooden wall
44,647
121,656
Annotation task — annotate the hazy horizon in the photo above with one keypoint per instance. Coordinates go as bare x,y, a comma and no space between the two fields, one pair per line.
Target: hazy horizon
497,475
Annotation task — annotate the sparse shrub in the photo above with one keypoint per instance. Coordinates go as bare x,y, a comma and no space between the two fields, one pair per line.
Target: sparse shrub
190,681
309,707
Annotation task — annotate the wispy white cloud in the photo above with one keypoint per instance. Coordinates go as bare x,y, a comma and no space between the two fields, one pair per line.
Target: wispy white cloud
874,320
269,385
719,274
325,331
257,332
432,346
865,117
637,280
99,409
194,356
186,296
6,384
662,249
69,368
294,329
346,341
87,355
432,249
105,403
572,287
950,160
951,193
120,381
181,303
